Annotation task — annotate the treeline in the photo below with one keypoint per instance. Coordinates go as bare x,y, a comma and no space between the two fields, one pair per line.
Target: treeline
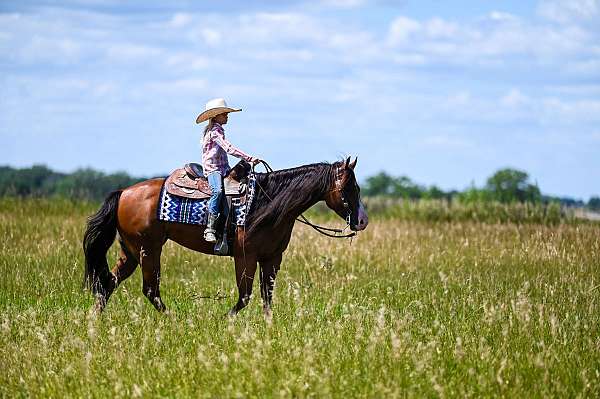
40,181
505,186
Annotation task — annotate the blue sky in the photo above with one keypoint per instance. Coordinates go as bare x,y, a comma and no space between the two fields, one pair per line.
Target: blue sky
444,92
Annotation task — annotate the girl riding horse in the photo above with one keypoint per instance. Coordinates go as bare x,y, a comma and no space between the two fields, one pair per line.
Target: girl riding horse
214,157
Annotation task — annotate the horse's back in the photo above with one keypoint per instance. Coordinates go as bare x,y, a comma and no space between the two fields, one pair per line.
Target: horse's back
138,204
146,187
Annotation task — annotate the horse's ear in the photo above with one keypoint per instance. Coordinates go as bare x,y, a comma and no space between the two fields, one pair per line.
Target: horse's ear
346,163
352,165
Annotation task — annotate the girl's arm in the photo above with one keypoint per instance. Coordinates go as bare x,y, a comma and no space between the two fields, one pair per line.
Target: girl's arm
230,148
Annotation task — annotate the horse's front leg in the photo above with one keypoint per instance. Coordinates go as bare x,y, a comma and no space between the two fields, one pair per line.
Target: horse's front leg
245,268
268,273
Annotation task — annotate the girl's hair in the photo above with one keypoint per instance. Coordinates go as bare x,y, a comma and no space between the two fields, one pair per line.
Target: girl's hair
209,126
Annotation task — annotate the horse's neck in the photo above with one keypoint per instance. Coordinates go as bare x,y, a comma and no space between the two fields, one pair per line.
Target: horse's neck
311,193
311,200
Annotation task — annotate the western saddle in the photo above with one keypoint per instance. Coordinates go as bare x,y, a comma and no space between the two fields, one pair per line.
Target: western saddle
190,182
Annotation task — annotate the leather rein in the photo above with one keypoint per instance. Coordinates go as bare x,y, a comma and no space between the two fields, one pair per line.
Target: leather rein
326,231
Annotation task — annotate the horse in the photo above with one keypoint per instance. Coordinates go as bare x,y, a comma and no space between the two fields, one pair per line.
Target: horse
280,197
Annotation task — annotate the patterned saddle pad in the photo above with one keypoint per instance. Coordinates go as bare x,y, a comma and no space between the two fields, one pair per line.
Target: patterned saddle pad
172,208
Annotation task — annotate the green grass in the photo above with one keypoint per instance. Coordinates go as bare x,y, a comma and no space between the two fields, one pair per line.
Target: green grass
409,309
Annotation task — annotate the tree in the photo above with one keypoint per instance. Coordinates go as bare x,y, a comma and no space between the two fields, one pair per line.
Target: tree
404,187
510,185
34,181
380,184
39,181
594,204
474,195
434,192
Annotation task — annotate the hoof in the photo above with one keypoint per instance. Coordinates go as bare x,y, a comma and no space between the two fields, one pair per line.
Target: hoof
100,304
159,305
268,313
97,309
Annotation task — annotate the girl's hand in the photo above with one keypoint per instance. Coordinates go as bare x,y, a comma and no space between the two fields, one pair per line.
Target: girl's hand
255,161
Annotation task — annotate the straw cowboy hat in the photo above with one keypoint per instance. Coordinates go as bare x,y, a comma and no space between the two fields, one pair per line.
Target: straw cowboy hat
213,108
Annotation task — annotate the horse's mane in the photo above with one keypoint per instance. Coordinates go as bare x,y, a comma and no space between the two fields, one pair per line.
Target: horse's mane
287,189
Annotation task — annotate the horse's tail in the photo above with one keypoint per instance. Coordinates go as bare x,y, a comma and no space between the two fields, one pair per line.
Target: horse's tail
99,236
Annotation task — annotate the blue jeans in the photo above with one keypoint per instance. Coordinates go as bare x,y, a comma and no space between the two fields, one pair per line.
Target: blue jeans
215,181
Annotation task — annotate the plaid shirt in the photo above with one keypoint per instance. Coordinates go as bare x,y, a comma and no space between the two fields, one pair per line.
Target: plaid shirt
215,148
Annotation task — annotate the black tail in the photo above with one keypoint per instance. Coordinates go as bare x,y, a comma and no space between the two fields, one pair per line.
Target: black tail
99,236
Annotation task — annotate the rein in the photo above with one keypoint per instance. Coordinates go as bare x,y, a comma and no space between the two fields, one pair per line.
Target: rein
302,219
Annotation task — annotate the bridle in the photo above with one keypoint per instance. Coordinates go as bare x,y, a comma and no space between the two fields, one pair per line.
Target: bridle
321,229
340,188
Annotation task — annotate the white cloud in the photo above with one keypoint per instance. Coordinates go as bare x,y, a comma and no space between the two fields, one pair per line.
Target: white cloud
180,20
348,90
126,52
569,11
186,60
175,87
104,89
492,41
274,36
212,37
50,49
344,3
409,59
570,112
514,98
265,27
575,89
500,16
439,28
459,99
584,67
447,141
287,55
401,29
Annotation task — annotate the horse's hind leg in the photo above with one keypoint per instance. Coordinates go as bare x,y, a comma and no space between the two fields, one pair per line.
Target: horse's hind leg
150,262
126,264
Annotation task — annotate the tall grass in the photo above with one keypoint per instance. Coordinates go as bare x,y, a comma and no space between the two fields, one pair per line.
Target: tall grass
407,309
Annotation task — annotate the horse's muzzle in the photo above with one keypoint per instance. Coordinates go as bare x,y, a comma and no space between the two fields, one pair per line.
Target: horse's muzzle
363,219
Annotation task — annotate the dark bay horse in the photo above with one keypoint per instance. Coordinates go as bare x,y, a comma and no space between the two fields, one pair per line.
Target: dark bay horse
280,197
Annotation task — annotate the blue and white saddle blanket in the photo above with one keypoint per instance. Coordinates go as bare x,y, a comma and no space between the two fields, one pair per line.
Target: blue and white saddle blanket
172,208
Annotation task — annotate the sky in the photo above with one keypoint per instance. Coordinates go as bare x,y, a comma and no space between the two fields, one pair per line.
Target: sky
445,92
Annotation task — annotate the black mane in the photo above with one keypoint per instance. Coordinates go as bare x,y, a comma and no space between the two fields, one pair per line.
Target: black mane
288,189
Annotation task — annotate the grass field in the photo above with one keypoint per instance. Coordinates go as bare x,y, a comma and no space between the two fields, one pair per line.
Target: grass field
407,309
